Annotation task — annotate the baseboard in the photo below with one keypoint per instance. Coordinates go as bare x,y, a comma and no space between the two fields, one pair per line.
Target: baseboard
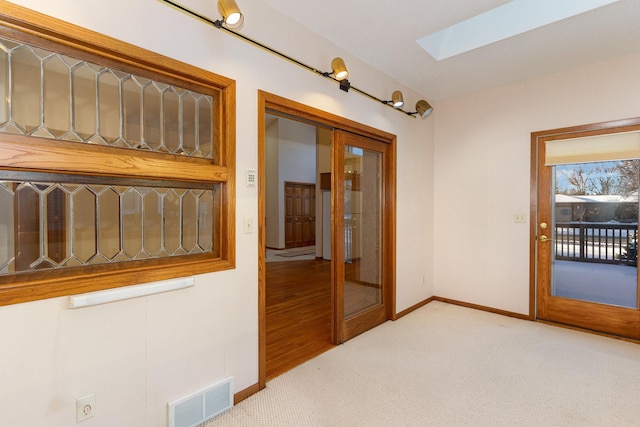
589,331
484,308
247,392
412,308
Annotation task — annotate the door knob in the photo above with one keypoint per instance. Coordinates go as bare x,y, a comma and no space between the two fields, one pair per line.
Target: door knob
544,238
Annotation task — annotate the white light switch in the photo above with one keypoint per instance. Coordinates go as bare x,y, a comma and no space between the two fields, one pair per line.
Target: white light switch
520,218
248,225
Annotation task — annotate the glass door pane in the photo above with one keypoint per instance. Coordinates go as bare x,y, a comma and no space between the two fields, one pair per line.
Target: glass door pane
362,230
595,226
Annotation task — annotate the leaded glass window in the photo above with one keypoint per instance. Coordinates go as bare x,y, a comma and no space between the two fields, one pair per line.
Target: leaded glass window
50,95
117,164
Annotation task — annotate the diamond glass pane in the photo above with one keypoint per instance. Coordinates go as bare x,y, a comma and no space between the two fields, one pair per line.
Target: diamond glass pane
171,203
189,222
153,223
84,84
152,113
132,224
189,123
171,121
205,225
7,226
109,106
132,101
83,230
55,199
27,225
205,126
26,103
108,222
4,86
57,96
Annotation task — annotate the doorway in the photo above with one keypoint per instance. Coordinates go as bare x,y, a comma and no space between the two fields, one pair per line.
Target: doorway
355,229
585,226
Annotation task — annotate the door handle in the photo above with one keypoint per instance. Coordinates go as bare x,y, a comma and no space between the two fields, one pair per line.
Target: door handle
544,238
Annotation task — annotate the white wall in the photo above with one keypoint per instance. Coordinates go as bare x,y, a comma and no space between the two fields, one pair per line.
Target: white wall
272,190
482,173
290,156
297,161
140,354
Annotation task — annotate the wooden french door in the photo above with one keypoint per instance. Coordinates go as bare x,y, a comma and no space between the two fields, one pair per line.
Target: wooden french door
362,248
300,214
586,228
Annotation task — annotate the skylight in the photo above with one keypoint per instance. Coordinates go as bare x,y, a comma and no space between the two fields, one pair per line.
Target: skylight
508,20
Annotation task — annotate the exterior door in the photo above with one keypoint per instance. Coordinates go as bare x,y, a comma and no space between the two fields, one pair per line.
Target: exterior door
586,228
300,214
361,247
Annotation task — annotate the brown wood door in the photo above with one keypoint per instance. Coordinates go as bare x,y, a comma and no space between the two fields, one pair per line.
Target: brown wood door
362,250
300,214
586,265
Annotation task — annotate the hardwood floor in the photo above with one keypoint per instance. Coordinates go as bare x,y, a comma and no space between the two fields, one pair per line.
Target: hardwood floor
298,313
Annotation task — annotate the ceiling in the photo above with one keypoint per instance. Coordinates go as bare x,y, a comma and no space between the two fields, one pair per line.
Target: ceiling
384,33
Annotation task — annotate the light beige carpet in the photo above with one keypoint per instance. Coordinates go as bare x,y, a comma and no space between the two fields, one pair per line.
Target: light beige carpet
445,365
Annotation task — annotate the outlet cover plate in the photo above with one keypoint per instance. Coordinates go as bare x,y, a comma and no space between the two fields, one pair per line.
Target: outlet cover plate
85,407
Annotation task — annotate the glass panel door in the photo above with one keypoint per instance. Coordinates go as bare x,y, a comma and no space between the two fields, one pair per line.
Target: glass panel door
363,266
586,227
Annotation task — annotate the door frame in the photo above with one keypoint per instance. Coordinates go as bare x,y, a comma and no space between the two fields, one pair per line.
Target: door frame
268,102
537,138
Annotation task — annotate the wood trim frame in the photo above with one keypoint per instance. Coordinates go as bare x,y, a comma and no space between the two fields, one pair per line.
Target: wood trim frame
22,153
295,110
483,308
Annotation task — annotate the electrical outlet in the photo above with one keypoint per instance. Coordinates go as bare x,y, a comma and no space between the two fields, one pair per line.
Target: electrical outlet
85,407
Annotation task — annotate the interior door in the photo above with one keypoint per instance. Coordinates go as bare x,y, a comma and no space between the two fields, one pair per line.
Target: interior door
586,230
362,252
300,214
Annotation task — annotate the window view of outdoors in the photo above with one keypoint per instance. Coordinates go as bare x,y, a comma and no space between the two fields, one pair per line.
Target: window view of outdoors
596,226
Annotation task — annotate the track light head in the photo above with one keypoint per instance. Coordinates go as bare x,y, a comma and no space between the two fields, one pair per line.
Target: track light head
423,108
231,14
339,69
397,100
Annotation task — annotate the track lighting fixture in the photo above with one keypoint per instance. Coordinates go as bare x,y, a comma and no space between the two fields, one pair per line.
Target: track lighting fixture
231,15
339,69
423,109
232,18
397,100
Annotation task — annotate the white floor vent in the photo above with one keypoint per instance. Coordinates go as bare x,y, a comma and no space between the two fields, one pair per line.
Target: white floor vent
202,405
